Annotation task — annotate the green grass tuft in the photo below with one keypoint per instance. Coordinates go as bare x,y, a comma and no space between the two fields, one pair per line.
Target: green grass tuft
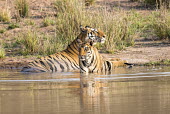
13,26
47,22
2,31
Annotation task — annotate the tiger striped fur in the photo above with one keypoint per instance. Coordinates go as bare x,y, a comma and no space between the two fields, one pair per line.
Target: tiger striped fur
67,59
91,61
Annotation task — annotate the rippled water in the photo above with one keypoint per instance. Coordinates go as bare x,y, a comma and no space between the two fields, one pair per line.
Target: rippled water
140,90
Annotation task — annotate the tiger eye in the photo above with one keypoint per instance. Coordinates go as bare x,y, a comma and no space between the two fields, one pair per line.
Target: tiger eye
86,48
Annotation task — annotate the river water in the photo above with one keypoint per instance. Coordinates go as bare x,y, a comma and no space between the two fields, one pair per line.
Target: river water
139,90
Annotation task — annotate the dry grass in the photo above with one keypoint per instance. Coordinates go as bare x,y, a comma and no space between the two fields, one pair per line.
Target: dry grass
39,44
161,25
22,8
71,14
5,16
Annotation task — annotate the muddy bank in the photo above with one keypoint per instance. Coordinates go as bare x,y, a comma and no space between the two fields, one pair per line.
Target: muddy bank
15,62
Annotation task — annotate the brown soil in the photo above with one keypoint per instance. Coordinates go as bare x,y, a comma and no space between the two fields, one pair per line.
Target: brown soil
144,51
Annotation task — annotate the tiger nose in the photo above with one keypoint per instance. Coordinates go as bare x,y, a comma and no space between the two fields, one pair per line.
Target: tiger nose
82,57
102,40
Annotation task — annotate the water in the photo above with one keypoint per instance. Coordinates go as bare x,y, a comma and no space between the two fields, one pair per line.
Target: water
140,90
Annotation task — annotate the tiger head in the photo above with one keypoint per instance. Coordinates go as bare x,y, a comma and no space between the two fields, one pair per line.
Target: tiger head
85,55
92,35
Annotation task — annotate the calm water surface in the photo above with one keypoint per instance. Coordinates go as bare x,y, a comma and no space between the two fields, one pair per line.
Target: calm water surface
140,90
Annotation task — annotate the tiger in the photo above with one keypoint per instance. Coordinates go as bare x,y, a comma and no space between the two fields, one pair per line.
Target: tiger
90,60
67,59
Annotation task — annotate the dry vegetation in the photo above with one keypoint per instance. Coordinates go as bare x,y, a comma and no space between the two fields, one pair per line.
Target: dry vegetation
45,27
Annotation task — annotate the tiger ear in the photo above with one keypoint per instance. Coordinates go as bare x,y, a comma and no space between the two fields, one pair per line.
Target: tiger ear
83,29
79,42
87,26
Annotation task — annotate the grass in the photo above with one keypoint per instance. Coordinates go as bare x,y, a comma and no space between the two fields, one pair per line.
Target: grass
119,28
29,22
158,24
5,16
13,26
2,31
22,8
34,43
161,26
47,22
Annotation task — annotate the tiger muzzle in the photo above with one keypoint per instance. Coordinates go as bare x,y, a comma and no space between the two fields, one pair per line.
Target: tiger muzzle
82,58
102,40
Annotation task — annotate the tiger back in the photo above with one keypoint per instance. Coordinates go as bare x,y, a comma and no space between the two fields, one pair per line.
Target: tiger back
67,59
